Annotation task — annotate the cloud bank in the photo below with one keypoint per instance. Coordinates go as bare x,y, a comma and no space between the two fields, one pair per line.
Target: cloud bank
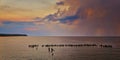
78,18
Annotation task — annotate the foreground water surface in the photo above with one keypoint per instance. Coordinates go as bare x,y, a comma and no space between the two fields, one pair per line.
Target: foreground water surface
16,48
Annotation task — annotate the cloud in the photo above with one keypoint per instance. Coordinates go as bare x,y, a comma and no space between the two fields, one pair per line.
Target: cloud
97,17
10,8
1,24
31,29
69,18
60,3
21,10
9,13
78,17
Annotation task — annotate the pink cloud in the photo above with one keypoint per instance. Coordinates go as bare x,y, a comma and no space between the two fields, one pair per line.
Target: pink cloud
31,29
1,24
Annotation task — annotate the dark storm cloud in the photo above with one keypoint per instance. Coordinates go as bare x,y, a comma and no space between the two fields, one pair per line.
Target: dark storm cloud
78,17
69,18
60,3
97,16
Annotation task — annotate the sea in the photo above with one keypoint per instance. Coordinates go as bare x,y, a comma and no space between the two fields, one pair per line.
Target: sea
18,48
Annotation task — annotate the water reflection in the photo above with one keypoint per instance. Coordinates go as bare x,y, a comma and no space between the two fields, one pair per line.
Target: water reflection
59,49
51,51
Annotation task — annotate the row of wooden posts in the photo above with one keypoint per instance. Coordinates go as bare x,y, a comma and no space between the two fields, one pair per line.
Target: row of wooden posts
72,45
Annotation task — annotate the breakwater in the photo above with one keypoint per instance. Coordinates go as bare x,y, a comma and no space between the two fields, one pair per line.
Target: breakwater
72,45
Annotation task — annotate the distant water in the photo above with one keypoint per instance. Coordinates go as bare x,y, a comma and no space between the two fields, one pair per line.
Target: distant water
16,48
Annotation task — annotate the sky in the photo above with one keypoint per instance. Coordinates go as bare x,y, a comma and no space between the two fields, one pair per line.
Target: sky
60,17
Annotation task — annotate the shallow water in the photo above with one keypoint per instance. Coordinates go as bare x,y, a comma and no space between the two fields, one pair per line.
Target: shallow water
16,48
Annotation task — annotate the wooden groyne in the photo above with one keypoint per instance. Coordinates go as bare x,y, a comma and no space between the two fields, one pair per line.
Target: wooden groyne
105,46
33,46
71,45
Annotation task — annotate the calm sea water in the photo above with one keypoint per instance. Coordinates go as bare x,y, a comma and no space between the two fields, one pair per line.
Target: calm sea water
16,48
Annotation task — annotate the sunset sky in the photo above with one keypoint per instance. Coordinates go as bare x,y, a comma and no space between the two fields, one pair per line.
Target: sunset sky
60,17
